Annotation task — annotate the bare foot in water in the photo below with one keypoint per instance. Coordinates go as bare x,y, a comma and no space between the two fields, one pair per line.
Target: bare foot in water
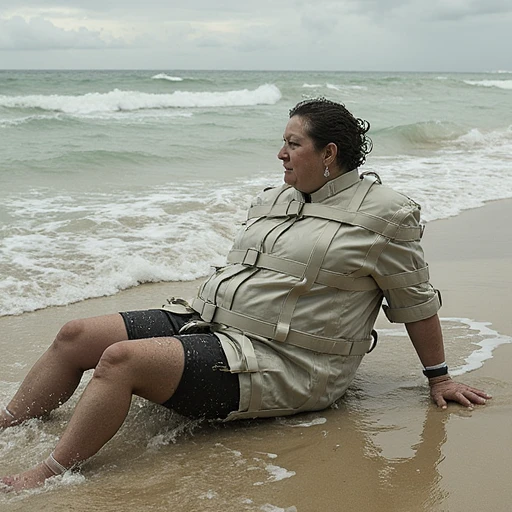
30,479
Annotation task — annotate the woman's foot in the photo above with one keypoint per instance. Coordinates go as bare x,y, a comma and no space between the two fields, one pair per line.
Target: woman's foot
30,479
34,477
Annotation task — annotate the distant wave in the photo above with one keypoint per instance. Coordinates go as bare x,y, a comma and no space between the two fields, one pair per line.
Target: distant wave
117,100
335,87
501,84
434,134
163,76
421,134
101,158
490,140
7,123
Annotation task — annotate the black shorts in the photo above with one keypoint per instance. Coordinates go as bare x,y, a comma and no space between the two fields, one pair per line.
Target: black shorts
206,389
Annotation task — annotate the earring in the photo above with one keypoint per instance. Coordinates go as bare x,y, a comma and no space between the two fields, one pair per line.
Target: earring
327,173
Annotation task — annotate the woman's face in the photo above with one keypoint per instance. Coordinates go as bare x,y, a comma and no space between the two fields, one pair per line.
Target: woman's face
303,164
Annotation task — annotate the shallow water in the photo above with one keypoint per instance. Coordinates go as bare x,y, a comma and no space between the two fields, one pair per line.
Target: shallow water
159,461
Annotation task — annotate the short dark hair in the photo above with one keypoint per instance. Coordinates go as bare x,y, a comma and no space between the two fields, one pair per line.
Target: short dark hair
327,121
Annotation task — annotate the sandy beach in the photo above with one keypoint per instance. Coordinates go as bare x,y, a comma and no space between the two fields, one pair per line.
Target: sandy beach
385,447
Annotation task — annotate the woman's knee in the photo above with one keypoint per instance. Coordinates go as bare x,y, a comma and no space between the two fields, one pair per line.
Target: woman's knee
116,359
151,368
82,342
70,333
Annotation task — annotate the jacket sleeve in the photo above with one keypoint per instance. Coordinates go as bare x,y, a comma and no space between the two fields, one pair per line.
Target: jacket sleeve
403,276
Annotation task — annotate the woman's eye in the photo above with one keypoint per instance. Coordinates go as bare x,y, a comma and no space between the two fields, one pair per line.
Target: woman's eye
290,143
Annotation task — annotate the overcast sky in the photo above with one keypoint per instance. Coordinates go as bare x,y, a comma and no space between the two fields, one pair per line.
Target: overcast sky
387,35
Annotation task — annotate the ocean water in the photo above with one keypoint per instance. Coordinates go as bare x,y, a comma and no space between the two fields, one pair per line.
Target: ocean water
110,179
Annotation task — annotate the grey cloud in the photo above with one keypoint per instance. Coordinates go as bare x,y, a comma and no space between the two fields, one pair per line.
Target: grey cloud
317,23
211,41
149,9
256,42
419,10
455,11
39,34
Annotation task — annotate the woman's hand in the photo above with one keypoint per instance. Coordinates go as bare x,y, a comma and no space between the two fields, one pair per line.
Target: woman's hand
443,389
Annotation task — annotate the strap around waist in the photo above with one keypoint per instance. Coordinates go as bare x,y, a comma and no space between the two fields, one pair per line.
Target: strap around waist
212,313
254,258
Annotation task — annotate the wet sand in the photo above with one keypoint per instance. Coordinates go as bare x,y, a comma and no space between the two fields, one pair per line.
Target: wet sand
384,448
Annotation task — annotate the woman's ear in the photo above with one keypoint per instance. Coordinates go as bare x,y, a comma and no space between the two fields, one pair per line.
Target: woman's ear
330,152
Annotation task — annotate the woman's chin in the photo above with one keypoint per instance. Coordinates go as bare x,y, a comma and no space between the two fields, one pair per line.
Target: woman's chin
288,178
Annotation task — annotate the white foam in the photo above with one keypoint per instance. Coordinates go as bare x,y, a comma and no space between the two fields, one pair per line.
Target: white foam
486,155
269,455
312,423
488,141
163,76
119,242
492,340
501,84
236,453
8,123
276,473
335,87
268,507
118,100
208,495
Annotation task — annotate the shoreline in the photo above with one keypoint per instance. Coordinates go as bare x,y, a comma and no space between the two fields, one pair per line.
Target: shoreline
470,258
380,449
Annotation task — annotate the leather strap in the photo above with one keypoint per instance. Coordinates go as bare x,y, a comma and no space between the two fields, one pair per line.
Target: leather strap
389,229
211,313
254,258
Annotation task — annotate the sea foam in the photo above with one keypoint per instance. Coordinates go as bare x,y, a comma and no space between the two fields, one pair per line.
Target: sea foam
163,76
118,100
501,84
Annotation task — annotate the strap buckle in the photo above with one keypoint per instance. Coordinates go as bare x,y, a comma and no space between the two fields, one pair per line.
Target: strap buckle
294,208
251,257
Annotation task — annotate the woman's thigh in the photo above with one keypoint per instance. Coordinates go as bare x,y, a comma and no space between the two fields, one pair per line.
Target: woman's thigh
82,342
186,373
151,367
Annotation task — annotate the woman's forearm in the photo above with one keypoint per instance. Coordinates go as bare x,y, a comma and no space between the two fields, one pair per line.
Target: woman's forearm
427,337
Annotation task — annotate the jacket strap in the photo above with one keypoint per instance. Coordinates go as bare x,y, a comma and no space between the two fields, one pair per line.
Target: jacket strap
211,313
255,258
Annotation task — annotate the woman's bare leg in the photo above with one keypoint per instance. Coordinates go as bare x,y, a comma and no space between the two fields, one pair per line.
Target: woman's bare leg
55,376
150,368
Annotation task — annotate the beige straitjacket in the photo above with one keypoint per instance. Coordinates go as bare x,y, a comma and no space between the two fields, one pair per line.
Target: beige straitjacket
295,305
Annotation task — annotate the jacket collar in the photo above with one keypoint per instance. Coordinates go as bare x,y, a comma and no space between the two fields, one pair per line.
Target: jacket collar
331,188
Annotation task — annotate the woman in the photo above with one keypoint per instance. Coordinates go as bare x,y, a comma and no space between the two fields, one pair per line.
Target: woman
281,329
